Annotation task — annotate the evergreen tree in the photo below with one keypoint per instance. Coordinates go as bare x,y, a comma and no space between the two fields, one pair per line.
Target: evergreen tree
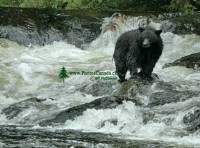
63,74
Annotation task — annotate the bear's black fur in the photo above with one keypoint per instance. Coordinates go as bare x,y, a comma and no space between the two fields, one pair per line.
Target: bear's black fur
137,49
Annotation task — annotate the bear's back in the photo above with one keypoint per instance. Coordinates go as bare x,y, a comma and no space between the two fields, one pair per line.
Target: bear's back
127,38
131,35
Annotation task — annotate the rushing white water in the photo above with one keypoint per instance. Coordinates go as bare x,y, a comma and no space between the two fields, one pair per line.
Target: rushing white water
33,72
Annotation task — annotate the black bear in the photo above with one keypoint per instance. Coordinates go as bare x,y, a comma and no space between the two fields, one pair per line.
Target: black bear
136,50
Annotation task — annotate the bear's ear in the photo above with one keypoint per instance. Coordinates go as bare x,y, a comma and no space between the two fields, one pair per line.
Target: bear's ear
141,29
158,32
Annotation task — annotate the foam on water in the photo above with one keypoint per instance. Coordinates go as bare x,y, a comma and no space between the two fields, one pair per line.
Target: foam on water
32,72
126,120
127,117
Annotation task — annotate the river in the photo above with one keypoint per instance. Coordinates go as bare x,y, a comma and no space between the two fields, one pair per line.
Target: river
28,72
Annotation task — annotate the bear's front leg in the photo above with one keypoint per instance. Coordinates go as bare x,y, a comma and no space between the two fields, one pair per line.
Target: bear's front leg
134,70
147,69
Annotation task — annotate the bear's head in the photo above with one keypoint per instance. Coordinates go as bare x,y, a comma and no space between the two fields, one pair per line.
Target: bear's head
149,36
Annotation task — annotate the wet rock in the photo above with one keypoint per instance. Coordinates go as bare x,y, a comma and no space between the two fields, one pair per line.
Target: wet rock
147,94
192,120
15,109
104,88
26,37
112,121
185,24
143,93
180,23
156,92
24,136
164,93
153,93
100,88
134,86
167,16
190,61
170,96
71,113
168,26
29,26
148,116
129,89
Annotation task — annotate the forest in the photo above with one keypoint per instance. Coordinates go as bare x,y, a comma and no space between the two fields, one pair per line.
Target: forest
187,6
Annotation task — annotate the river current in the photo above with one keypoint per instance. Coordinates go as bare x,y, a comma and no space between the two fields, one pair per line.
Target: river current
27,72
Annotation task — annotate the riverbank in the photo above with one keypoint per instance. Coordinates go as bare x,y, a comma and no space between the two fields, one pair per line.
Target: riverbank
34,26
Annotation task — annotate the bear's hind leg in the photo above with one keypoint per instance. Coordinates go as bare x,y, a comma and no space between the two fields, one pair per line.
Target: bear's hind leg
132,66
121,71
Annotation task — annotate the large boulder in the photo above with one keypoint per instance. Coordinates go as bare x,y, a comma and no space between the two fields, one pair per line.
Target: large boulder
192,120
71,113
42,26
185,24
35,105
190,61
180,23
99,88
147,94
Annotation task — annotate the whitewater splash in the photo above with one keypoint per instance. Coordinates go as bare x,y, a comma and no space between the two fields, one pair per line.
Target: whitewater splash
32,72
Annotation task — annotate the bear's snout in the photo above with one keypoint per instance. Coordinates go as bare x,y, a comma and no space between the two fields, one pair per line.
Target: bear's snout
146,43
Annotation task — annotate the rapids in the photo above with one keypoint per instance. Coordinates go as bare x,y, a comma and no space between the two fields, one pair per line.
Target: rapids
27,72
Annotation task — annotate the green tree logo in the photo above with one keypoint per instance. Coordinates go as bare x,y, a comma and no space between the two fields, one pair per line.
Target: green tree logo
63,74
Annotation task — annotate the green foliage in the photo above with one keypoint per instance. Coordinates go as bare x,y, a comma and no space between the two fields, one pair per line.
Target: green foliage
33,3
74,3
189,9
92,4
63,74
185,6
9,2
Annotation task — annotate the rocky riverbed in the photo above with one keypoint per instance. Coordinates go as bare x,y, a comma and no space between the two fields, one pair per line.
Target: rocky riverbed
37,109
